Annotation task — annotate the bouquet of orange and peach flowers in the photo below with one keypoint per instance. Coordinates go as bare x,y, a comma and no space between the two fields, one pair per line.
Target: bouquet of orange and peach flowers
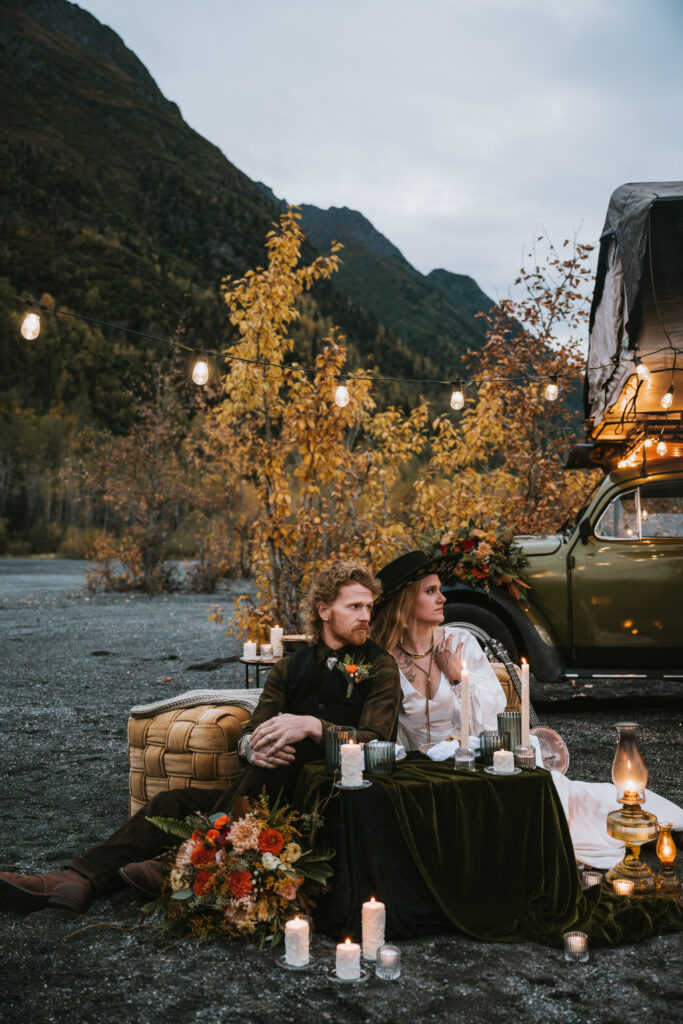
240,875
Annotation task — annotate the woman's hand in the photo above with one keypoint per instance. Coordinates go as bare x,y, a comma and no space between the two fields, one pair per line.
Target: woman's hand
449,660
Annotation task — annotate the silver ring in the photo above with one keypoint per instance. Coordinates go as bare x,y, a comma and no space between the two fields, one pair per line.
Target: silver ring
270,737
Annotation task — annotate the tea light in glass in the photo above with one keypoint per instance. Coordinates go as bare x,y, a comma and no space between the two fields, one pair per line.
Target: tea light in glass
266,650
623,886
575,947
464,760
591,878
388,966
525,757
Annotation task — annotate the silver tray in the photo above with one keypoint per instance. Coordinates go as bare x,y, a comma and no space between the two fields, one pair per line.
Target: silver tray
492,771
365,784
332,975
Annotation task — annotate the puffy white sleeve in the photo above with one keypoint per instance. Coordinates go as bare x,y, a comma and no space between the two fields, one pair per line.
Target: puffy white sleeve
487,697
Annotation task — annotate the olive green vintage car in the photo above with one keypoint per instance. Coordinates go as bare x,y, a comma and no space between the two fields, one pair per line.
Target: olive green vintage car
606,590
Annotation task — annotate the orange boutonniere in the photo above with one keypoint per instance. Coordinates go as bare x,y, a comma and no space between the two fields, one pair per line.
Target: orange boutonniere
355,671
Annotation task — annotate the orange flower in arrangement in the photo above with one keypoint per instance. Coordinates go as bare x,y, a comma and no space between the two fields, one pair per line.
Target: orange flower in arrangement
351,669
220,822
202,883
197,836
213,834
270,841
200,855
240,884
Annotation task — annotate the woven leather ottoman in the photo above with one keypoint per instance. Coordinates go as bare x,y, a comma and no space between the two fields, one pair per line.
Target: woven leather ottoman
190,740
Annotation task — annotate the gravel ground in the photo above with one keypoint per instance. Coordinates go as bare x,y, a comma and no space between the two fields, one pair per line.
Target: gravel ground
70,668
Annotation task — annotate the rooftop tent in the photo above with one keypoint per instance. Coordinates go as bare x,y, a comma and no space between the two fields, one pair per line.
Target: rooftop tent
637,311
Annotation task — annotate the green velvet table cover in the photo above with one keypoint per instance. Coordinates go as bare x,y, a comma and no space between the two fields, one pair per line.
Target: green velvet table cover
495,853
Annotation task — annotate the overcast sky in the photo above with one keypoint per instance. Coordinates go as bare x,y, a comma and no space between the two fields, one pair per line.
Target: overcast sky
460,128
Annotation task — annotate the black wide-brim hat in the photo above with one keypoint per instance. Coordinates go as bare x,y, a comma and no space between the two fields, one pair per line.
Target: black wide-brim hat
407,569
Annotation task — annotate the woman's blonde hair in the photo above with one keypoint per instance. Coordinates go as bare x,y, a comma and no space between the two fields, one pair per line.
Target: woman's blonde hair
391,621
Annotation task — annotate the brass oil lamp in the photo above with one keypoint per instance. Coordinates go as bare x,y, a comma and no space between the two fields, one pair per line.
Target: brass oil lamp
631,824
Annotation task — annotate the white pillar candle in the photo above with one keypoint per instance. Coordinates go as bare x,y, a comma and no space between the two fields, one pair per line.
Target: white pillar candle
297,942
249,649
351,764
525,702
374,918
266,650
276,634
465,707
348,960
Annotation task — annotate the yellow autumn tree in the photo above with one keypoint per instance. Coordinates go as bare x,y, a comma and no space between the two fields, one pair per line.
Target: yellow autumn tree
322,475
501,461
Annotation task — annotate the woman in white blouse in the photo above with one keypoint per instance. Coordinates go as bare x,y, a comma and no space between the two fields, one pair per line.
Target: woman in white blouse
430,658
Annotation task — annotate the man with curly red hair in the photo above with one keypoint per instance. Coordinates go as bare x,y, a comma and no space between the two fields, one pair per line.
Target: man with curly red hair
341,677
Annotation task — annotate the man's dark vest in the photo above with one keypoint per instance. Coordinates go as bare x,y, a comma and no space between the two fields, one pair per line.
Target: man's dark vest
321,692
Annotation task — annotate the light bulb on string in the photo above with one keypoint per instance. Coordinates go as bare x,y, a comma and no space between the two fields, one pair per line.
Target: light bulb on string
458,396
552,390
642,370
667,398
341,395
200,371
661,444
30,325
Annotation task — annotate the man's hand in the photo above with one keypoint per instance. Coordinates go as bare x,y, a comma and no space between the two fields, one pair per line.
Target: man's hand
272,741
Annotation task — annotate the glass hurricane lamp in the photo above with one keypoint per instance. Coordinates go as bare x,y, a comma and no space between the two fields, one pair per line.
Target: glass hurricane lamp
668,882
630,824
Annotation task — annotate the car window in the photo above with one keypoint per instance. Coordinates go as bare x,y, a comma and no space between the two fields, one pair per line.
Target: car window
619,521
661,510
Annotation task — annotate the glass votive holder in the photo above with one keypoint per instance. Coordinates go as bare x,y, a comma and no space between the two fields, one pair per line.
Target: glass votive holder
388,963
575,947
335,735
490,742
380,757
525,757
623,886
464,760
590,878
510,722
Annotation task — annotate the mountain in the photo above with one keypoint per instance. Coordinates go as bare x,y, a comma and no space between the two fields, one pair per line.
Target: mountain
434,314
112,206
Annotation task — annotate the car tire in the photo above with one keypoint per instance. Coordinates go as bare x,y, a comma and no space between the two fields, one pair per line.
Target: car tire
483,623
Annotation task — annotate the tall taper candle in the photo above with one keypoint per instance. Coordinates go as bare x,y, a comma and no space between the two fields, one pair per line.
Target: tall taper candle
525,702
465,707
374,918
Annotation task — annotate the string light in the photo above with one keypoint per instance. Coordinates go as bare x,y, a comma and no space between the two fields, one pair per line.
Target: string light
30,325
667,398
200,371
642,370
661,444
341,395
458,397
551,392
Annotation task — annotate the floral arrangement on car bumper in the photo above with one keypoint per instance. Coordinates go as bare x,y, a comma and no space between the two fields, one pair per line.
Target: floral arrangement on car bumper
241,876
483,558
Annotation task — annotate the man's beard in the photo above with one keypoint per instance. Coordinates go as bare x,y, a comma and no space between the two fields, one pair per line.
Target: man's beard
355,635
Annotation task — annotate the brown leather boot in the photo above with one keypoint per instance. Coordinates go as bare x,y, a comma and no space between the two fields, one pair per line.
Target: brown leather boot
145,875
66,889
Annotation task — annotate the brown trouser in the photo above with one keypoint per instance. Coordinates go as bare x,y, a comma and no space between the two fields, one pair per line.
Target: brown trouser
139,839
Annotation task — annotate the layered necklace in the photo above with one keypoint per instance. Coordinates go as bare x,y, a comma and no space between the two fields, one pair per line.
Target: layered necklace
427,672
